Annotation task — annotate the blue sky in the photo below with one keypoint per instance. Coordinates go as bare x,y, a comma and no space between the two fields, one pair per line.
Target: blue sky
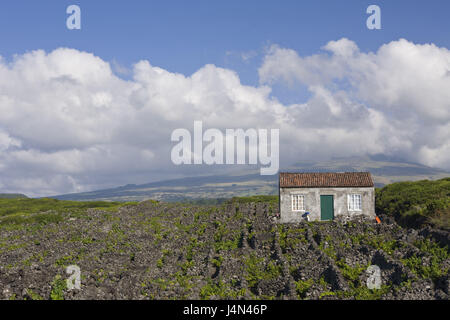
182,36
313,69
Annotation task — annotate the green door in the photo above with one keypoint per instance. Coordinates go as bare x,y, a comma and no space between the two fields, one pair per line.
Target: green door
326,208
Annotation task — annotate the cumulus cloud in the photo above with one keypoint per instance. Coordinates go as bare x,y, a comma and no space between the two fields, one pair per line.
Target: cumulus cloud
395,101
68,123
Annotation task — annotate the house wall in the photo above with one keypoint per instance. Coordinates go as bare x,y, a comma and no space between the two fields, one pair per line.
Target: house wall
312,202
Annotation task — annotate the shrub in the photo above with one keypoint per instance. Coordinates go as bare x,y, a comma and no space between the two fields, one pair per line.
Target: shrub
257,270
221,290
58,286
303,286
415,203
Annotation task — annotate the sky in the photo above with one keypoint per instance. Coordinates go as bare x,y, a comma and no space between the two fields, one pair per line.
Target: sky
93,108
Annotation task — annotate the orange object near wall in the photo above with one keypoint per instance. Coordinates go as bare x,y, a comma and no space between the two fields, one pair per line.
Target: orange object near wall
378,220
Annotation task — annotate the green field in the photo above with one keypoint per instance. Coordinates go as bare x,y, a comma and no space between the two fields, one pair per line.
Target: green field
24,210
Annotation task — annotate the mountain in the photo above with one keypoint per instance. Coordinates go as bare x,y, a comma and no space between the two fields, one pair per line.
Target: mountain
12,196
384,171
185,189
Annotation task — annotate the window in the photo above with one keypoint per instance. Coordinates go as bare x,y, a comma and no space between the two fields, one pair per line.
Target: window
298,202
354,202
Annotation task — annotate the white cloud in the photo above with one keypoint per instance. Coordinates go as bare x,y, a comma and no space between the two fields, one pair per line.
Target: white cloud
397,98
69,124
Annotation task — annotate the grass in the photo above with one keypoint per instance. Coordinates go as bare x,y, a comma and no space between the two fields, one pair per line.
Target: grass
24,206
40,218
44,211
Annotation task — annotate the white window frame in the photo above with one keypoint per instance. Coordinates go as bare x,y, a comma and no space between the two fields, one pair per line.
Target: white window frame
353,202
295,200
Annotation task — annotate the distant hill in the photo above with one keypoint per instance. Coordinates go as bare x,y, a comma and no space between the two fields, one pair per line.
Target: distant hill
249,183
384,170
12,196
185,189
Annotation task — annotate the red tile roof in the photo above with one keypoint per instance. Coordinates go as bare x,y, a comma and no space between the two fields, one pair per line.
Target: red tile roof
326,179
